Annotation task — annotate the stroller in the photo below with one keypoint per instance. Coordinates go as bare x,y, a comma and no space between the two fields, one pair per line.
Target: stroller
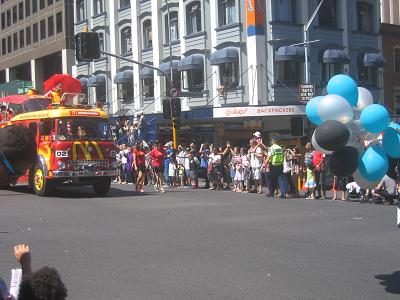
354,191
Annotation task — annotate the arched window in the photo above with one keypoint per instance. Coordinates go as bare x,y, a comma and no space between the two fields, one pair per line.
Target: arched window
193,17
126,40
364,16
98,6
147,34
80,10
327,15
173,21
227,12
285,10
396,59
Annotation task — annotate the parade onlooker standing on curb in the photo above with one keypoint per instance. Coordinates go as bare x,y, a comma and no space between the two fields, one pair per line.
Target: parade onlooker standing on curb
246,169
320,174
156,159
166,163
204,152
256,161
275,159
194,164
139,163
214,161
287,172
296,171
194,149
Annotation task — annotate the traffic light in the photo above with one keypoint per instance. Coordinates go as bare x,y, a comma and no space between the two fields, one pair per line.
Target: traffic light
167,108
87,46
296,126
176,107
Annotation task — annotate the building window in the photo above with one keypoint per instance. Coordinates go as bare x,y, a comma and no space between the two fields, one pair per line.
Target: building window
59,22
98,6
80,10
367,76
101,41
50,26
49,2
42,29
193,17
327,14
34,6
15,15
15,41
364,16
101,93
329,70
125,92
20,10
288,71
396,59
124,3
28,35
42,4
3,20
228,74
148,87
22,38
147,34
226,12
35,32
173,21
9,44
285,10
195,80
8,18
27,8
126,40
3,47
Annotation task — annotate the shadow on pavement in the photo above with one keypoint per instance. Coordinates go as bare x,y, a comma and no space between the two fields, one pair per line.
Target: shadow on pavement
391,282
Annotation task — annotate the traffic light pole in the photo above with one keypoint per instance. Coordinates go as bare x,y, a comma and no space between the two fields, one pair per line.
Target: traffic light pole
174,133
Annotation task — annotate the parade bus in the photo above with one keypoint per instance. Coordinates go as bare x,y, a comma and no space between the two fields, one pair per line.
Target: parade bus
75,146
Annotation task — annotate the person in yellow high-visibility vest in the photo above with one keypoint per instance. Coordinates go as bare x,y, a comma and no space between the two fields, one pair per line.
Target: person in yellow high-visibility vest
275,160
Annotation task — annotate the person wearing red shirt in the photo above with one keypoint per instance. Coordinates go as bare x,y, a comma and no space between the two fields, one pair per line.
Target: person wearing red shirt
156,159
139,165
320,174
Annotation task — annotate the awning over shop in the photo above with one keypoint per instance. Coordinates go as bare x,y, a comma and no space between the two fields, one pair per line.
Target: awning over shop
165,67
97,80
191,62
290,53
123,77
334,56
374,60
225,55
146,73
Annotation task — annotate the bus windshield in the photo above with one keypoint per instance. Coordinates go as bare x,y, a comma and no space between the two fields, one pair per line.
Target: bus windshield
80,128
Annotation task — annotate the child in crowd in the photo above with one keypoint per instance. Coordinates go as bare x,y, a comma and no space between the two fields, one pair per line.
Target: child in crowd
172,170
181,174
238,179
310,182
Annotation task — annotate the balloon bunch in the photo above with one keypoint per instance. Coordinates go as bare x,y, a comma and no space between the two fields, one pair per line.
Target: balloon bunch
350,130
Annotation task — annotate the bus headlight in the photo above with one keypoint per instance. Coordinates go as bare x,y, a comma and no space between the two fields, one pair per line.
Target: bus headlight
61,165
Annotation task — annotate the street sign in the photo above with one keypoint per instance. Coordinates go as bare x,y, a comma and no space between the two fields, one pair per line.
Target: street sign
306,92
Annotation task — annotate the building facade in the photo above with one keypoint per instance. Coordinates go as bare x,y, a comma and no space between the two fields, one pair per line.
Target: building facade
236,64
390,31
36,40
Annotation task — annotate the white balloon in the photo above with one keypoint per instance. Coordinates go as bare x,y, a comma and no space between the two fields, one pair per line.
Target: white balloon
364,98
362,182
335,107
317,147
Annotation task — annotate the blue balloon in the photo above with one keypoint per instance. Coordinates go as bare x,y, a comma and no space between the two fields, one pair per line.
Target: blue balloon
391,141
312,110
344,86
375,118
374,163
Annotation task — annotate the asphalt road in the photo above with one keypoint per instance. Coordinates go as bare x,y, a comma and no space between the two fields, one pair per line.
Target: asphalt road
204,244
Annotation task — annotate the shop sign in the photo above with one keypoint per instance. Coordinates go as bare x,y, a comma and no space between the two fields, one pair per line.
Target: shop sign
258,111
306,92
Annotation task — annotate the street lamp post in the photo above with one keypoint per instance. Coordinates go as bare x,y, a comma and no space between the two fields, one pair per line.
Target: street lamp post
306,42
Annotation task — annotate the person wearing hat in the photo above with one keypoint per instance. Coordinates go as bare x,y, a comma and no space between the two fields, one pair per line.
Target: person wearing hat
258,138
275,159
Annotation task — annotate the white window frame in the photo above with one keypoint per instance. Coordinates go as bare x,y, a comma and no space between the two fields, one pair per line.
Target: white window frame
189,83
193,17
361,27
146,24
126,41
98,7
227,13
81,10
284,75
229,74
147,87
174,23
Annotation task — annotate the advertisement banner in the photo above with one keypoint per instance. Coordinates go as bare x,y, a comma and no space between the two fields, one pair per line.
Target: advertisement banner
259,111
255,17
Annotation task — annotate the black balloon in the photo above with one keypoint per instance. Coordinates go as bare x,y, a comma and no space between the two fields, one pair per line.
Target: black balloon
344,162
332,135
